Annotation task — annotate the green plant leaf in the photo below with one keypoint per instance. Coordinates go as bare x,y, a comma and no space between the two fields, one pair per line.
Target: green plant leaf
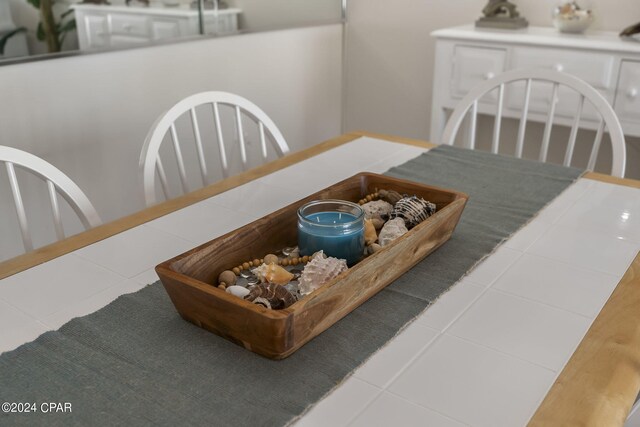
5,37
63,30
66,13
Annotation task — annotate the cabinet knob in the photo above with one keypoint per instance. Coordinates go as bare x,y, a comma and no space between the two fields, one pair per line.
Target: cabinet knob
489,75
559,68
633,92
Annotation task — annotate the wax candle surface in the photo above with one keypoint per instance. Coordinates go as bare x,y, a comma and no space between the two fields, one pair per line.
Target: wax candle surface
338,234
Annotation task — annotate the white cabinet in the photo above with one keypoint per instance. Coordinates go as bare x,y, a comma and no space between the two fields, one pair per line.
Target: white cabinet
465,56
101,26
627,103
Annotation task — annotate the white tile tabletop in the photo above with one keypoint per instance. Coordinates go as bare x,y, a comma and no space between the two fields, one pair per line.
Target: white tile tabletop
484,354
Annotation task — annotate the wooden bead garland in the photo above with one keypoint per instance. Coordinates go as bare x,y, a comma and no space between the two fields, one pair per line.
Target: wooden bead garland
368,198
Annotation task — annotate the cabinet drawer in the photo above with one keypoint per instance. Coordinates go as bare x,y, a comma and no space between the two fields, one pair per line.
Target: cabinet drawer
596,69
473,65
128,25
165,29
627,103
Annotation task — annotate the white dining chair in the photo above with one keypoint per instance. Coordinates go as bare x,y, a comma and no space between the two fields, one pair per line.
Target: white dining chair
557,80
57,183
150,162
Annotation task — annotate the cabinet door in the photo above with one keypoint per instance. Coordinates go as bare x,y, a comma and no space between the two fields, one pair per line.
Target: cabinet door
95,31
627,103
473,65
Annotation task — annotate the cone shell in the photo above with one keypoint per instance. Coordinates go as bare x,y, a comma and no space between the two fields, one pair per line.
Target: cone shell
392,229
413,210
272,273
320,270
390,196
370,235
271,296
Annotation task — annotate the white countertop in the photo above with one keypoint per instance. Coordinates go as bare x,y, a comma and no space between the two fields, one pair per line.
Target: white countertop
591,40
485,354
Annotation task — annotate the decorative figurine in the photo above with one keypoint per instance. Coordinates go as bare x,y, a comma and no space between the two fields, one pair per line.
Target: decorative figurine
501,14
631,30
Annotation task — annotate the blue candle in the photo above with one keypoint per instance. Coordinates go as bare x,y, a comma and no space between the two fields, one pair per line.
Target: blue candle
333,226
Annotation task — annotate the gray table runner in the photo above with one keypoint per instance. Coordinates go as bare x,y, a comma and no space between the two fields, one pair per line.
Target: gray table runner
137,362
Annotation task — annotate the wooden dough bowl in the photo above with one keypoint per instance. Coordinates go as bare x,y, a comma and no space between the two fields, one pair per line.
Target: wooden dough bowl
190,279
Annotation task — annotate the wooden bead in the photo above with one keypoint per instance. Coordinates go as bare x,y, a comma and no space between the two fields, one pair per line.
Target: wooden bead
295,261
236,271
245,265
369,198
305,258
227,277
222,286
256,262
285,262
271,259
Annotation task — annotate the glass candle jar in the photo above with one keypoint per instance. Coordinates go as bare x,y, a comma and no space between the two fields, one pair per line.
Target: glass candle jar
333,226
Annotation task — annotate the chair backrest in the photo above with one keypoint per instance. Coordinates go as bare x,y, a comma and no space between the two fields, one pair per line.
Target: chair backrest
608,118
150,159
57,182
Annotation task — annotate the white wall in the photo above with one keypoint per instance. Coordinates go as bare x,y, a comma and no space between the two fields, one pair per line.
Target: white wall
89,115
390,57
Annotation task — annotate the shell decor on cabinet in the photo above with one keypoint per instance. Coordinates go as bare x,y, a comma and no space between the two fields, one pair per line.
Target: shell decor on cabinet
466,56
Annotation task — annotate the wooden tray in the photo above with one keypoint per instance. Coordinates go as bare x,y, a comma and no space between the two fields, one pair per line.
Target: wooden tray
190,279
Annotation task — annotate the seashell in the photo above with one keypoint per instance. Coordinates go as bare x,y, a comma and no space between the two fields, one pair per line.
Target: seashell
373,248
238,291
377,209
277,296
295,253
320,270
392,229
390,196
413,210
272,273
377,223
370,235
263,302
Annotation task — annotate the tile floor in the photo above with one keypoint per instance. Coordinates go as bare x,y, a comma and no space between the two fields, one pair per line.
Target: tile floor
485,354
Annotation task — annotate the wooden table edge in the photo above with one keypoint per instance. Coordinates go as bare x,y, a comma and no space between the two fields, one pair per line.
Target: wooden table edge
80,240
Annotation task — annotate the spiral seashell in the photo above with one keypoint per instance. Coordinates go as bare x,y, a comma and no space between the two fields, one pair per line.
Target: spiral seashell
320,270
392,229
390,196
377,209
413,210
272,273
277,296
